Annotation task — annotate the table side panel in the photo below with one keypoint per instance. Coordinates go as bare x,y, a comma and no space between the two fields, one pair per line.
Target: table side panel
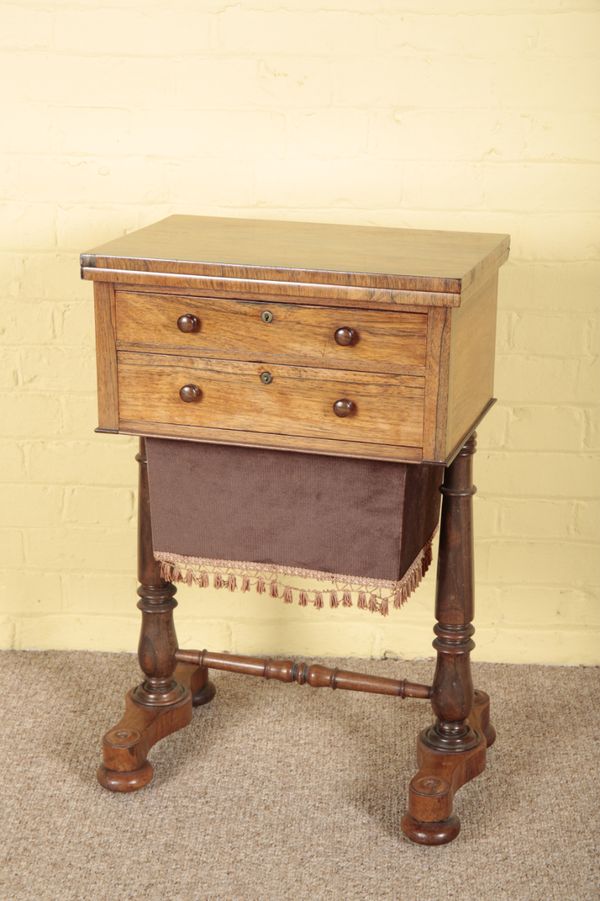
471,362
436,385
106,356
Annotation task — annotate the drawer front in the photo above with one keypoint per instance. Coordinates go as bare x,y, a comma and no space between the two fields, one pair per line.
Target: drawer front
275,399
369,341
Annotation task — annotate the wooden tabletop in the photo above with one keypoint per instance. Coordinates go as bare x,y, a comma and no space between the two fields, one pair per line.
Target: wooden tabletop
396,258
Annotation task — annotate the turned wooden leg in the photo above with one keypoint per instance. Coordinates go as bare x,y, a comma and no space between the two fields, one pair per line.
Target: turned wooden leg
452,751
162,703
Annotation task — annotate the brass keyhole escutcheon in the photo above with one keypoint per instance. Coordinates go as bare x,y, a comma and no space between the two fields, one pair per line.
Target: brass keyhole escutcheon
266,378
266,316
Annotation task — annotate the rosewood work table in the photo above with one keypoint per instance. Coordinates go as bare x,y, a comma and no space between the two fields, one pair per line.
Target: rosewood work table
304,394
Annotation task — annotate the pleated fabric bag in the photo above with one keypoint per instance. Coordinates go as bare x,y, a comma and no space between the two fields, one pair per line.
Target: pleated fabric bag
306,528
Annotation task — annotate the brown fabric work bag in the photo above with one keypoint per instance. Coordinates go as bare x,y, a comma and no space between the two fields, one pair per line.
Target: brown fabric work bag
275,521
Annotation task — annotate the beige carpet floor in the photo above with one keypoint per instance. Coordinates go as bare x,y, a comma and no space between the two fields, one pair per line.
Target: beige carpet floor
282,792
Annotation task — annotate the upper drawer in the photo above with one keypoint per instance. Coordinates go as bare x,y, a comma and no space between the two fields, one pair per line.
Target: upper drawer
370,341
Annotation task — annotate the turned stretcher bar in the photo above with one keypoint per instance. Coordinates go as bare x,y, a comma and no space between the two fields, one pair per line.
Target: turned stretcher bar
304,674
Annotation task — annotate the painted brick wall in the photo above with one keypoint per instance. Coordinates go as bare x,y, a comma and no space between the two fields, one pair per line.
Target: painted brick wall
465,114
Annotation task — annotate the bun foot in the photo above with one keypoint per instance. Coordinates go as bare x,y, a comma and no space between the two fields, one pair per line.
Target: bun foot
430,833
490,735
125,782
196,679
125,747
204,695
429,819
481,710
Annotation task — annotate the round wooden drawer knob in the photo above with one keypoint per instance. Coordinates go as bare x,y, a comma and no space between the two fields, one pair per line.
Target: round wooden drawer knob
188,323
346,336
344,407
190,393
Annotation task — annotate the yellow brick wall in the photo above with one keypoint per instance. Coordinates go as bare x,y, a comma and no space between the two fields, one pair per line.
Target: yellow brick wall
464,114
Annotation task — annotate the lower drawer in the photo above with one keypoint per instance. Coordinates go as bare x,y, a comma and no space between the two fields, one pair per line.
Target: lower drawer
274,399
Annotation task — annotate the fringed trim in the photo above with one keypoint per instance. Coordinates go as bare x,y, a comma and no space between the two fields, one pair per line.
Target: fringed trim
340,590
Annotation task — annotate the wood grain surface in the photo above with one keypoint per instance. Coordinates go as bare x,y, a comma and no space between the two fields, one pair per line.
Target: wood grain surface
436,384
422,306
273,289
301,335
273,440
298,401
469,366
406,259
106,357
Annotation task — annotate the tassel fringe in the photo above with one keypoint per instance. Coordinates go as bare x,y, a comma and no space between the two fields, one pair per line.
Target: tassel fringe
344,591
